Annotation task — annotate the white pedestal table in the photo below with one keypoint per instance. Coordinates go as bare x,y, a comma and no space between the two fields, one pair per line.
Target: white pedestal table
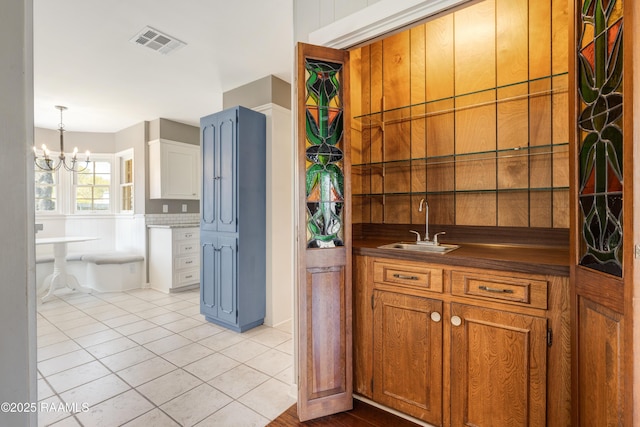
60,278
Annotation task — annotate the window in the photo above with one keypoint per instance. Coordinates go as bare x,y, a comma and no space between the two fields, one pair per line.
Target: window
92,187
45,191
126,184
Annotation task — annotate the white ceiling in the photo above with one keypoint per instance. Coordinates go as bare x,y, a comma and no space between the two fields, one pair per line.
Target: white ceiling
83,58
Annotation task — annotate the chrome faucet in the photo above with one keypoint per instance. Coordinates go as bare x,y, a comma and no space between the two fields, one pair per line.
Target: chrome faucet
426,241
426,218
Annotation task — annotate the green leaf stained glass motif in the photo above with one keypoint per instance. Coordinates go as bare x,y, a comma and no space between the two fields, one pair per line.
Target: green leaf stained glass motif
324,156
600,72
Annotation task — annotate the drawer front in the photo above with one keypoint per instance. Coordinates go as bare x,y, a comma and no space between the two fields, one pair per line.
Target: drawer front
409,275
187,247
512,290
187,277
186,262
186,234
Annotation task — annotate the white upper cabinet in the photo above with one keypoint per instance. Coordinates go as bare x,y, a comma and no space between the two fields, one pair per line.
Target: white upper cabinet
174,170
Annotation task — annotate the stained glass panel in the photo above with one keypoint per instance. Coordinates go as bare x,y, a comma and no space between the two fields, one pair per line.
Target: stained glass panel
601,145
324,155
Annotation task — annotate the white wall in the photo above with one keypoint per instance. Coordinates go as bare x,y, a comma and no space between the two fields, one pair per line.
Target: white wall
279,210
309,15
101,226
96,142
17,286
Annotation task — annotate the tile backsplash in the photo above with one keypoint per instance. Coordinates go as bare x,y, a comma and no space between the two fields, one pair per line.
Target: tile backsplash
172,219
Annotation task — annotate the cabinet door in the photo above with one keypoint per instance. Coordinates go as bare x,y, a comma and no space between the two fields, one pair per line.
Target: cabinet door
180,171
173,170
498,368
407,355
226,286
218,296
208,269
219,171
225,166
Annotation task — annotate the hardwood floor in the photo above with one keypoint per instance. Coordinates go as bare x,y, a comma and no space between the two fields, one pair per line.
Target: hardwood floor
362,415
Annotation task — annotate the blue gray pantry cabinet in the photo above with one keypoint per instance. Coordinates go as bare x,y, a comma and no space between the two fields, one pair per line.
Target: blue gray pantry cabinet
232,218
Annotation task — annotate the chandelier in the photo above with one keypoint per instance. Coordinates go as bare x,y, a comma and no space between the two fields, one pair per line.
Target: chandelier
44,161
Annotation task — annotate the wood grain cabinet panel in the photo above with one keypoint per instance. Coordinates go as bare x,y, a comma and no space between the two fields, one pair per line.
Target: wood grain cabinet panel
498,367
601,351
362,328
407,358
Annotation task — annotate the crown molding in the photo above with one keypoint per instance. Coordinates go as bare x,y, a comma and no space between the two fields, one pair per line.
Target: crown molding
378,19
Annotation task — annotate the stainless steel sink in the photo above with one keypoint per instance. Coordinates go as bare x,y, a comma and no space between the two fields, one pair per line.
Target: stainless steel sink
441,248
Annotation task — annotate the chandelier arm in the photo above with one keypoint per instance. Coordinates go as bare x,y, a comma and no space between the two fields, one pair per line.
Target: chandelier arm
47,167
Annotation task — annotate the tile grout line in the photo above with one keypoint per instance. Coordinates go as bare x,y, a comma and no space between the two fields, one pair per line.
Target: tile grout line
161,354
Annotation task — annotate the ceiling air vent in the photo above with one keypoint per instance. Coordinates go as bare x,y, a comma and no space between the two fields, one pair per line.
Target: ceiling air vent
156,40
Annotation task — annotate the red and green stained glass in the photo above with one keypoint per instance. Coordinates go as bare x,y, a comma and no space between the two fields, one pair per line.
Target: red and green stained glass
601,136
324,155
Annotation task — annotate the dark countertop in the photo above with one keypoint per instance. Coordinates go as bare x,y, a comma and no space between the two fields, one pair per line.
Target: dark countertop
173,226
552,260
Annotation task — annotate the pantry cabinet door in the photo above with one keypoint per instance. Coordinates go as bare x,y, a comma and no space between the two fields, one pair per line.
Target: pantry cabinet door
324,234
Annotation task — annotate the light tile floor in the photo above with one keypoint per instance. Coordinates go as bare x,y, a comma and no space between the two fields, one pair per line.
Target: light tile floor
144,358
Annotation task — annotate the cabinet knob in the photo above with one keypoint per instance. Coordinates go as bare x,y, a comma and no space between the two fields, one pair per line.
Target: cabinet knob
435,316
456,321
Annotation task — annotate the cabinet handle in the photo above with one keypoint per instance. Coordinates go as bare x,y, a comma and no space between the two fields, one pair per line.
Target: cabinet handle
402,276
188,262
495,290
189,276
435,316
187,248
456,321
188,235
215,178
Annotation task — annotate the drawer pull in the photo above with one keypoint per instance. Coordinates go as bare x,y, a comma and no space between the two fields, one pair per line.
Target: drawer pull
495,290
188,248
402,276
188,235
189,276
188,262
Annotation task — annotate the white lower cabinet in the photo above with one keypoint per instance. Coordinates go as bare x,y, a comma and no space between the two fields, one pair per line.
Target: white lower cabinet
174,258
